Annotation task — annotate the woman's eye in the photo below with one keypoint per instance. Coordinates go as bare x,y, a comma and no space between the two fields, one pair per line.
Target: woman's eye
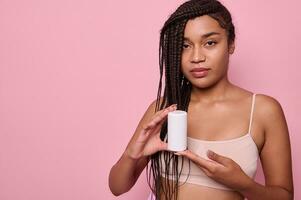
211,43
185,46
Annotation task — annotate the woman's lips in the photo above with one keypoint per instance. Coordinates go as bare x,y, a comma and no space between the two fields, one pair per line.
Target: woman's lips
199,72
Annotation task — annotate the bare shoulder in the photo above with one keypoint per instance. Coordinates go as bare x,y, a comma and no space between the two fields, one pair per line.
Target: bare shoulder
268,103
271,115
268,109
276,152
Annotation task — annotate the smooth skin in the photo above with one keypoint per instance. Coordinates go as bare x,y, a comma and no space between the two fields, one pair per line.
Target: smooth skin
145,142
218,110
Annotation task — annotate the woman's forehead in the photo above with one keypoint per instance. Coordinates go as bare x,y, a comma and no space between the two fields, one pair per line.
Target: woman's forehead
202,26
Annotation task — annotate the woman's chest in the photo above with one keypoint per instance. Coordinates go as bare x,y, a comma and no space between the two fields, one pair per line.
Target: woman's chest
220,123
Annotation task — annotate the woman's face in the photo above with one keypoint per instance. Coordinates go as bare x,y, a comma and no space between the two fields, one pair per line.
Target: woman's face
205,46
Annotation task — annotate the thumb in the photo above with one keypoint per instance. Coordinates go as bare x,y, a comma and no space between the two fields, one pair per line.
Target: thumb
163,146
218,158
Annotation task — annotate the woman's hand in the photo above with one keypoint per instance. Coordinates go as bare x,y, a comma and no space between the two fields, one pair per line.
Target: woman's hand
148,140
221,169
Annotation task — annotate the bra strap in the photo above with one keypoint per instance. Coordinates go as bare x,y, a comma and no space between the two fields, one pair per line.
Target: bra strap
251,116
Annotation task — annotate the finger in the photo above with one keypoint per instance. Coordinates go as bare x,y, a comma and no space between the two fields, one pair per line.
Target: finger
162,113
158,127
154,122
147,131
169,108
159,117
218,158
204,163
206,171
166,110
163,146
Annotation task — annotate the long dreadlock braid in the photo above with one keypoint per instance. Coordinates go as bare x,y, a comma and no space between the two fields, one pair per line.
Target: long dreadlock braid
177,87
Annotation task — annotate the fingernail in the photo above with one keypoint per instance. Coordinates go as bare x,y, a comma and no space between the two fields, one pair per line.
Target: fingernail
210,153
176,153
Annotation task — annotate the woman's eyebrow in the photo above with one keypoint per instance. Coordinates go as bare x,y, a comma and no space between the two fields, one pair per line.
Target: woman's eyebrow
205,35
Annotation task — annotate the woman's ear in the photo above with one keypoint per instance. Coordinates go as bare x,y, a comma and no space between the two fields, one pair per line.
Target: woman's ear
231,47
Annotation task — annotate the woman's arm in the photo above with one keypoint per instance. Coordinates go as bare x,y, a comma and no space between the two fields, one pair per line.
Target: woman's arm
144,142
275,155
126,171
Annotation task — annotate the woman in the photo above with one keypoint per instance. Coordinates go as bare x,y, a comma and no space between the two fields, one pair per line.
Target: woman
228,128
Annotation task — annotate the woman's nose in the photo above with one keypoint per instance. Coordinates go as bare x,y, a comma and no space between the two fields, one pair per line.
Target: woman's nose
198,56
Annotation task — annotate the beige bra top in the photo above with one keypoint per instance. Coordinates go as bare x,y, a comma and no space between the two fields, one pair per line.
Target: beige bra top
242,150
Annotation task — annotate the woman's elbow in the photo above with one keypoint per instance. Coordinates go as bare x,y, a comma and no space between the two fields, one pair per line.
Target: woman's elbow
116,193
115,187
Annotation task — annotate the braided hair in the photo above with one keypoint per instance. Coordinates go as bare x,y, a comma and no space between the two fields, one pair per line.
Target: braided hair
177,87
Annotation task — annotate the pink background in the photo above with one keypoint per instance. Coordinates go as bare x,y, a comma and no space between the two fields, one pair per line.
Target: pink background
76,77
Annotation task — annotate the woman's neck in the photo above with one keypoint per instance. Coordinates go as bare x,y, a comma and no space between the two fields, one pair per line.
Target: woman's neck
217,92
